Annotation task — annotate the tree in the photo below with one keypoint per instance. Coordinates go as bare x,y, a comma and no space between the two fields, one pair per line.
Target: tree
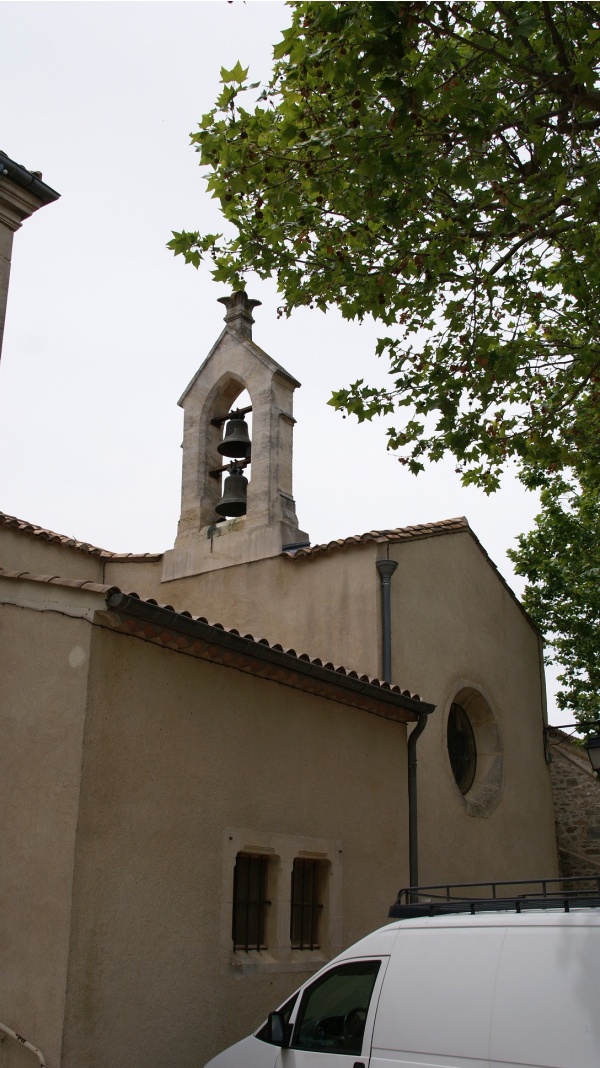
561,560
435,166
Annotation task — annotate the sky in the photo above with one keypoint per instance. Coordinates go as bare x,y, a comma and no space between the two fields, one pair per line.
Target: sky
105,327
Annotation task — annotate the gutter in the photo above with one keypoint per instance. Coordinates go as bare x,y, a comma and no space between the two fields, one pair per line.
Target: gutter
233,643
26,180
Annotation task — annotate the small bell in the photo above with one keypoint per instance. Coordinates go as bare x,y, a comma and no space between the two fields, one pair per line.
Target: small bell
236,442
235,492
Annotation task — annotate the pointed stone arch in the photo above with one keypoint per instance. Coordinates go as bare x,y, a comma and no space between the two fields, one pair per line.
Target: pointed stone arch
219,401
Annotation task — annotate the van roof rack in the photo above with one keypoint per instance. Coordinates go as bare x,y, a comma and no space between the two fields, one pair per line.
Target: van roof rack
516,896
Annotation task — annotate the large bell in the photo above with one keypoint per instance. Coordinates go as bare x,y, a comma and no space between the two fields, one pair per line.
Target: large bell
235,491
236,442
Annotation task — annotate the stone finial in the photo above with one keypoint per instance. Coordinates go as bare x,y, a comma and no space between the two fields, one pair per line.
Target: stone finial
239,312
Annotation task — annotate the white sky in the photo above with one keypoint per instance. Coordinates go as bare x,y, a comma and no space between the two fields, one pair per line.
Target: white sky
105,327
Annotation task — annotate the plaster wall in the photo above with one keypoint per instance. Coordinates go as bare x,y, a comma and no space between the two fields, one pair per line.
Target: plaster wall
26,552
458,629
455,627
20,551
43,686
136,576
177,751
327,607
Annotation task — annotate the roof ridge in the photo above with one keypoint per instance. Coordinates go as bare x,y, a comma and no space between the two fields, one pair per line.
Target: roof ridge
392,534
57,580
413,532
67,542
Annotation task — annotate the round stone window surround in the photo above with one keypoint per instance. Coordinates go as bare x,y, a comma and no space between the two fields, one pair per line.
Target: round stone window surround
485,792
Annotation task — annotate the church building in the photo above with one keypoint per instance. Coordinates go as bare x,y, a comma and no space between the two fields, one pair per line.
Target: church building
220,763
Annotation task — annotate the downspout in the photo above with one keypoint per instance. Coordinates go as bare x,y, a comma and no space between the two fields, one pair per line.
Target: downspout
386,569
413,847
543,697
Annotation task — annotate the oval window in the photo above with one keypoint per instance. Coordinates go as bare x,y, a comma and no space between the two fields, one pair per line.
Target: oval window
461,748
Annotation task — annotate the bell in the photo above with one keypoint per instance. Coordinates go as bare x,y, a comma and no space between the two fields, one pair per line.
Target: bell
236,442
234,499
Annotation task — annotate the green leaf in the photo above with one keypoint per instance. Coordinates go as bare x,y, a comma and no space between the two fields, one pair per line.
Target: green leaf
436,167
236,74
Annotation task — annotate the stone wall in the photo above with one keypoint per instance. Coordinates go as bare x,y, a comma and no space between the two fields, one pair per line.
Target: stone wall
576,792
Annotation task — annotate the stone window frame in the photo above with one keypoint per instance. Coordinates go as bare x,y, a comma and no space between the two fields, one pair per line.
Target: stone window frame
485,793
281,851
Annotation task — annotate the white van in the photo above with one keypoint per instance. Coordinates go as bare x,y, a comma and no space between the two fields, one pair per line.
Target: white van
462,983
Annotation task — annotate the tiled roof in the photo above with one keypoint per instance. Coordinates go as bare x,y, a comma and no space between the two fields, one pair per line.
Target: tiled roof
413,533
395,534
70,543
182,632
422,530
56,580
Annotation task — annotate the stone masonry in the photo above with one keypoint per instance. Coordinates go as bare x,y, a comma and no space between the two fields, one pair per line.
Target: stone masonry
576,792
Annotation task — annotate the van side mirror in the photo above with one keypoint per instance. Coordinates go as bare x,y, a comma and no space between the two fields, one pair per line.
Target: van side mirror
277,1030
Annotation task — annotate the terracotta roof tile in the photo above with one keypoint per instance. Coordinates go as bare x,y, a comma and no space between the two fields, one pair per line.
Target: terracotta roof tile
422,530
21,525
57,580
411,533
280,664
115,596
397,534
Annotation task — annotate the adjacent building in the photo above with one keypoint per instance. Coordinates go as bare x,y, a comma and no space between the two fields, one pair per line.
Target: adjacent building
21,193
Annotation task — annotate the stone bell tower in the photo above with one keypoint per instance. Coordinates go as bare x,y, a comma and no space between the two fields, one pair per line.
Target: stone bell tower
205,541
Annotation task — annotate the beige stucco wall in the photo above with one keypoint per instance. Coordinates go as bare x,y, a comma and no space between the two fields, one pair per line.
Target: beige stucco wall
27,552
177,750
23,551
455,626
327,606
43,686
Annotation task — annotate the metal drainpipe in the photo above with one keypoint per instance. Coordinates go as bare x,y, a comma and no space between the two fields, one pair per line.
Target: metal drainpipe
386,569
413,849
